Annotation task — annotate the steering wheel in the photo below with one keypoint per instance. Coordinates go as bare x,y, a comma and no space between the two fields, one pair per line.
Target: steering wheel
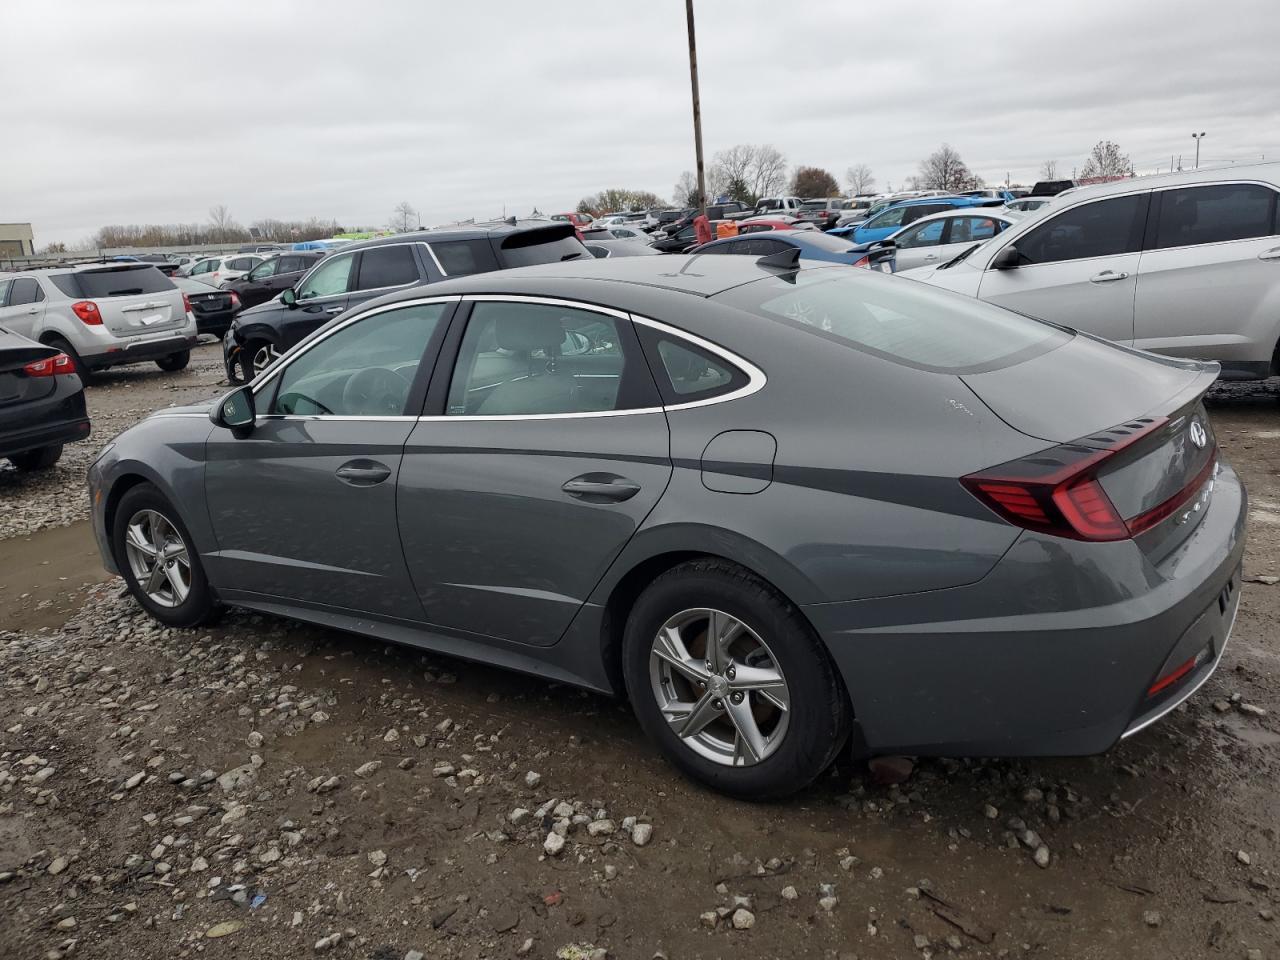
375,392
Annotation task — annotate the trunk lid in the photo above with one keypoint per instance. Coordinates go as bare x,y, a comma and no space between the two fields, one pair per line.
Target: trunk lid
16,387
135,299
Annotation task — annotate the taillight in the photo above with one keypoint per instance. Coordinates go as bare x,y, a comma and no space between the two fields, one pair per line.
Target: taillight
235,301
186,303
55,366
863,262
1057,490
88,312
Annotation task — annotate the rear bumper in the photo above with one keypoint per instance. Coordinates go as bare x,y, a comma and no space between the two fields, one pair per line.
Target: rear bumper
45,435
141,351
60,417
1052,653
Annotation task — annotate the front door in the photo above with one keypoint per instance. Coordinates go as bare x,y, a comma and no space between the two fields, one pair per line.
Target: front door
304,507
547,453
1079,269
24,308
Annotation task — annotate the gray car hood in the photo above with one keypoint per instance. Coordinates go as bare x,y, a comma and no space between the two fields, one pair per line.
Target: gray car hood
186,410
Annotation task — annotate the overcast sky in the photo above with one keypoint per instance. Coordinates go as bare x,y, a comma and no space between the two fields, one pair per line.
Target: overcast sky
152,112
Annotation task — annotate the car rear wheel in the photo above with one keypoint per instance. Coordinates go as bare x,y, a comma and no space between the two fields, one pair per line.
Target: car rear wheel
86,375
157,557
731,681
174,361
40,459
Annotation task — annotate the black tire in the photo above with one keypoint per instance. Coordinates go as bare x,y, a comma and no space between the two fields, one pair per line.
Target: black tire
199,607
40,459
174,361
820,717
87,376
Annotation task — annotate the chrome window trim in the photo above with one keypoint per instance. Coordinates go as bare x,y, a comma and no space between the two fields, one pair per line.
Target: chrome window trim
756,378
283,362
435,260
369,290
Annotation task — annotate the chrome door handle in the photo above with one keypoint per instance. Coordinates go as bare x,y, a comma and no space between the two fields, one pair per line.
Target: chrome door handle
1107,276
601,488
1272,254
333,309
362,473
932,256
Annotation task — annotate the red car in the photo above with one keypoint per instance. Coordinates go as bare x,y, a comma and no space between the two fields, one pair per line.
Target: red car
757,224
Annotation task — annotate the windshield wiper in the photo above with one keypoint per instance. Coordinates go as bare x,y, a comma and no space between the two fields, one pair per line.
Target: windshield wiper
959,256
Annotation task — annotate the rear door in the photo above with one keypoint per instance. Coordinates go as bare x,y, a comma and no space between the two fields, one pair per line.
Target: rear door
23,309
135,299
544,448
1209,282
1078,268
383,269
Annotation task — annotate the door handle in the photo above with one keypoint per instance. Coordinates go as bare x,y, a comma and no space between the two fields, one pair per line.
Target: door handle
333,309
1107,276
33,310
601,488
932,256
1272,254
362,473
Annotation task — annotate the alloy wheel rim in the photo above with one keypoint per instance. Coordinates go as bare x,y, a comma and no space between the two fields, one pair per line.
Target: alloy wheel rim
158,558
263,357
719,687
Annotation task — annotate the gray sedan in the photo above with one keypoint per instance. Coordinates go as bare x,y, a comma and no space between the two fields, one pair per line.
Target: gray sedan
780,509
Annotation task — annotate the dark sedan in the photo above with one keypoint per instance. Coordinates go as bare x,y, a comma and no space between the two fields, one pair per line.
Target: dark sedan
807,245
781,509
214,309
273,276
41,402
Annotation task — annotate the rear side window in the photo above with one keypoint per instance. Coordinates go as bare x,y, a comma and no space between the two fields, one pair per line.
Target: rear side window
972,229
1103,228
392,266
685,372
25,290
1215,214
124,281
907,323
458,258
526,249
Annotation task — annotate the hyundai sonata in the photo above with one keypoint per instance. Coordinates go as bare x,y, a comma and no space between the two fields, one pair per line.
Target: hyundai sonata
779,509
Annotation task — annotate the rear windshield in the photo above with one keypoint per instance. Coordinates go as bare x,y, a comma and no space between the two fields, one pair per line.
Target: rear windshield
528,248
824,241
908,323
126,280
814,205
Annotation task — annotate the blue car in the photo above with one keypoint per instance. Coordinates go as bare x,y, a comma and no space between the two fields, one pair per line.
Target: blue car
897,215
812,244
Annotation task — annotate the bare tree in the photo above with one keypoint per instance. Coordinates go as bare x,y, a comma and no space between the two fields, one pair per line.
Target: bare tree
220,217
944,170
1106,160
1049,170
747,172
769,173
686,192
859,179
619,198
403,218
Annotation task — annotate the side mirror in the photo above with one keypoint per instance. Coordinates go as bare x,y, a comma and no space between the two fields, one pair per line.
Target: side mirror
289,298
235,411
1006,259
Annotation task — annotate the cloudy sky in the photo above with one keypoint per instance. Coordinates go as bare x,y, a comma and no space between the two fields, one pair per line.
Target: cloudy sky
127,111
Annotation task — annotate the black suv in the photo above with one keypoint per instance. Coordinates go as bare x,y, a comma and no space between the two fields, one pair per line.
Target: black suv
361,271
265,281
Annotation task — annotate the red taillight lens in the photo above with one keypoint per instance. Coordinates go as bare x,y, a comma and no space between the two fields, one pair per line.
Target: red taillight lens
235,301
1057,490
55,366
88,312
186,303
863,262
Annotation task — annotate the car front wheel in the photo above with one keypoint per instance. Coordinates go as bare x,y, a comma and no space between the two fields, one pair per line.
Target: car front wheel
731,681
257,356
157,557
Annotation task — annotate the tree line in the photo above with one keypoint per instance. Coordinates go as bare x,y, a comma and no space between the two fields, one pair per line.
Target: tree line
221,227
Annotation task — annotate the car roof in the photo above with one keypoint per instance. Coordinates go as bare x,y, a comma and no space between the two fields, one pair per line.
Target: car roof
998,212
1268,172
478,231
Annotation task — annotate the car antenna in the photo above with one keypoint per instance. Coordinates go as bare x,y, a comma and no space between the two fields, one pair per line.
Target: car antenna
784,261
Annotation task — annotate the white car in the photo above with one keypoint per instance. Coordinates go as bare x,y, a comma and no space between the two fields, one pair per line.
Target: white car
940,236
626,231
216,270
1185,264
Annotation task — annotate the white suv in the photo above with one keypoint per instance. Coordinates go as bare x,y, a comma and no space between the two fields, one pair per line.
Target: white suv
101,315
218,270
1185,264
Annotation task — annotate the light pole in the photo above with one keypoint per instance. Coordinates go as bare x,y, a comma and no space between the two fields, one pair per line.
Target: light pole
697,109
1197,137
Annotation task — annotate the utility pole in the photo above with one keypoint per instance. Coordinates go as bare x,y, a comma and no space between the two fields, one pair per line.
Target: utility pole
1197,137
697,109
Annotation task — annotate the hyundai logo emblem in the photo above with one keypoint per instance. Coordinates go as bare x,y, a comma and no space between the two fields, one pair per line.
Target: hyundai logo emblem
1197,433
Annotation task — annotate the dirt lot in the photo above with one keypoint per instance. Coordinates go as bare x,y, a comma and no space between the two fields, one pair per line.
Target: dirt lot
268,789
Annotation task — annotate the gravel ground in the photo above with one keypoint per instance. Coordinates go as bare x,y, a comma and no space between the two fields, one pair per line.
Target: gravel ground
264,788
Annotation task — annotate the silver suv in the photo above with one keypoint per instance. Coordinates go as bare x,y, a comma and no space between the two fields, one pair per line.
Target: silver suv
101,315
1185,264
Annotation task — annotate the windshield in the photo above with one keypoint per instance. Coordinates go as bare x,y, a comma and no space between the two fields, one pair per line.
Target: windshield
963,254
909,323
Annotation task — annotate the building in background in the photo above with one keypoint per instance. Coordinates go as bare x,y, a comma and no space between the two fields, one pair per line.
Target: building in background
16,240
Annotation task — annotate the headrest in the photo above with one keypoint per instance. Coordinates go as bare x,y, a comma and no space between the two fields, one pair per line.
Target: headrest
528,331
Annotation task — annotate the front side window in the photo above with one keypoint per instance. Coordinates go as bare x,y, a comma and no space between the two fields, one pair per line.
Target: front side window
25,290
972,229
925,235
329,279
4,291
265,269
204,266
528,359
363,370
1103,228
890,218
1215,214
392,266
